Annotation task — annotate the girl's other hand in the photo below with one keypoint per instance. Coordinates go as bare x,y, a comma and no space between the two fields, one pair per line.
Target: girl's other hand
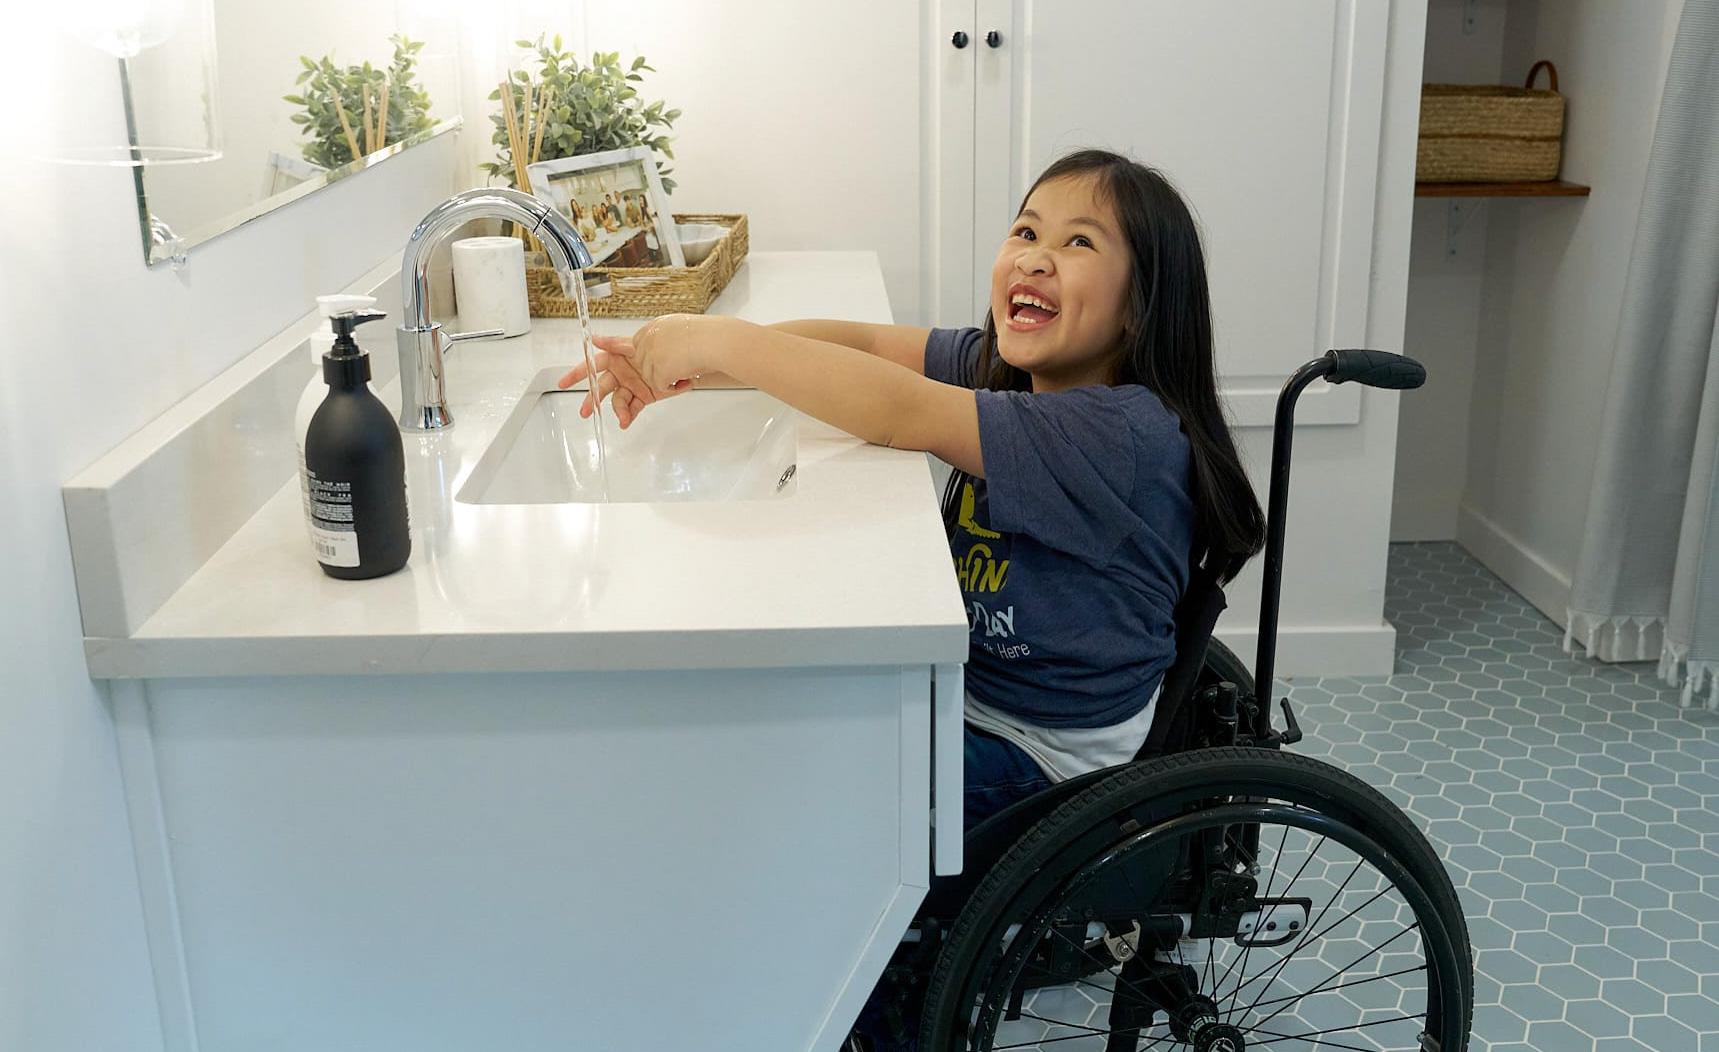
672,351
618,380
660,360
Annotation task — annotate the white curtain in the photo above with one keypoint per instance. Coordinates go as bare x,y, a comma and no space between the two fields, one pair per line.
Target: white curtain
1647,583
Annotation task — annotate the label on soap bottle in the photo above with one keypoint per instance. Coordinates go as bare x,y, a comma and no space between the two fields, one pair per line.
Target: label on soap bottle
333,534
335,547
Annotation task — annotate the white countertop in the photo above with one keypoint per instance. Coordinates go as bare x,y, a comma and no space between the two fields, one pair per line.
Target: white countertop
852,569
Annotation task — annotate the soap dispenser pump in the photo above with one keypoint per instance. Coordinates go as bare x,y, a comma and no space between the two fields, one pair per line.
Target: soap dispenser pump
321,341
355,466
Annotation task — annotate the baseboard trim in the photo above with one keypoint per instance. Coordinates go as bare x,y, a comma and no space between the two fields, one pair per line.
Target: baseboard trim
1342,650
1542,584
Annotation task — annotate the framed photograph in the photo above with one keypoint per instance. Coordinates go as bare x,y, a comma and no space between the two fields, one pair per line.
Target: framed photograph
616,202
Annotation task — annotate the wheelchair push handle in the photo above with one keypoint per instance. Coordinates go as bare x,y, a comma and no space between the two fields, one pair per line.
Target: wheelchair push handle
1376,369
1372,368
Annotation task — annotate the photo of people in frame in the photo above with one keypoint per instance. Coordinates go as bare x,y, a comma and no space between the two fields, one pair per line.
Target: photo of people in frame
615,201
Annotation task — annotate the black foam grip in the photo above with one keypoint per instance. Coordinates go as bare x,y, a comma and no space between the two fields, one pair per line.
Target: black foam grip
1376,369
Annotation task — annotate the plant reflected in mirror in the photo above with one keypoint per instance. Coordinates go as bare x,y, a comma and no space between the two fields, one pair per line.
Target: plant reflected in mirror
304,89
354,110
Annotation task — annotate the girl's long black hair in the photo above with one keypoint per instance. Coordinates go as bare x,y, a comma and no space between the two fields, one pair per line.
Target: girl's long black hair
1166,348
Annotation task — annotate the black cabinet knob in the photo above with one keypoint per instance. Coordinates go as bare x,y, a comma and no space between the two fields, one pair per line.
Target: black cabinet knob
994,38
959,40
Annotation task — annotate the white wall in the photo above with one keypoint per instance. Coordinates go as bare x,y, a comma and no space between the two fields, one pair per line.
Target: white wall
95,345
1551,291
1444,297
806,118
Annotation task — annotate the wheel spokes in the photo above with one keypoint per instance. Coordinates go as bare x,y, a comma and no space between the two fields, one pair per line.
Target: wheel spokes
1254,1014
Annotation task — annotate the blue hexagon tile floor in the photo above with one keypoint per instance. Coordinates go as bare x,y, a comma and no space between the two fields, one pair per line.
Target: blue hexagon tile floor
1576,804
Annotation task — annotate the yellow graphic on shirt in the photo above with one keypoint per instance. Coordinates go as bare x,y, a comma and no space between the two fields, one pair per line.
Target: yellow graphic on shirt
979,570
965,520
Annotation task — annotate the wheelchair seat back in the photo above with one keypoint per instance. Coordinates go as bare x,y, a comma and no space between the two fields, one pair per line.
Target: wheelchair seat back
1196,615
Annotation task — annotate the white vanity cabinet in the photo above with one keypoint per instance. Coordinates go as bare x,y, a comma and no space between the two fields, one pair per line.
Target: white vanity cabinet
632,776
459,863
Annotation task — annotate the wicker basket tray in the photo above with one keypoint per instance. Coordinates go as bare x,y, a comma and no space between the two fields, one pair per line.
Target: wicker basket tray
645,292
1487,134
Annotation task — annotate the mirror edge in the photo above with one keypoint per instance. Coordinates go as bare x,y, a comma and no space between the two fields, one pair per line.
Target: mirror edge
162,245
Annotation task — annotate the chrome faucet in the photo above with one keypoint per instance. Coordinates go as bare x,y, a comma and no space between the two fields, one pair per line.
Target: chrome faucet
423,344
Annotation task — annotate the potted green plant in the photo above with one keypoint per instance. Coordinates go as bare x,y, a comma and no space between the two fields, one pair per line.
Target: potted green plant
351,111
569,109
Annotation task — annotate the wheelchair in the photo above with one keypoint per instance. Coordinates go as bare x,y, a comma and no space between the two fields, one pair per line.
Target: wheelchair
1216,893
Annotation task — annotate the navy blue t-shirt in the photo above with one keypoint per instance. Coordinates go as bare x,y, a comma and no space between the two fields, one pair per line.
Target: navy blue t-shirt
1073,549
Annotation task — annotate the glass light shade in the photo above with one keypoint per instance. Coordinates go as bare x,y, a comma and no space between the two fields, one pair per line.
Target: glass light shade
166,55
124,28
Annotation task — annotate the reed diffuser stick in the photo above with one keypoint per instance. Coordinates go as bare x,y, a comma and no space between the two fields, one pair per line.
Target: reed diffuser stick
531,242
542,122
515,149
369,123
382,118
346,125
527,109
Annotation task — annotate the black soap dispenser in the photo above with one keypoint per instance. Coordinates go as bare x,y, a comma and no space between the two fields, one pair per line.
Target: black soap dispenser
355,466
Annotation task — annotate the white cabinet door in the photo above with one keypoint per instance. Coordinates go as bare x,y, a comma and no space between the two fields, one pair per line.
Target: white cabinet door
1265,114
949,216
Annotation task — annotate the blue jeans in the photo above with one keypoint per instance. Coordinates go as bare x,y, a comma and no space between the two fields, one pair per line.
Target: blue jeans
995,773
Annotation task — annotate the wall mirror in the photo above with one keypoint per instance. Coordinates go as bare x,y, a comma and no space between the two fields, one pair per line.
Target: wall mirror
261,53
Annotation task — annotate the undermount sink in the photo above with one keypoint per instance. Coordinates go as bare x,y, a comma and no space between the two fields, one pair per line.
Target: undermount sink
708,445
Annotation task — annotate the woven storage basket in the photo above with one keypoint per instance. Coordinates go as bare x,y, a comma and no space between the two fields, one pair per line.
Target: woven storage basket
1488,134
645,292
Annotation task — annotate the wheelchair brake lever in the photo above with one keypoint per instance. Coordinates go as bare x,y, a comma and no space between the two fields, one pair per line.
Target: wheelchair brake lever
1291,731
1290,734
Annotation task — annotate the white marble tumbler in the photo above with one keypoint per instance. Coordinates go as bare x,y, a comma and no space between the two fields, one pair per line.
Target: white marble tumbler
489,285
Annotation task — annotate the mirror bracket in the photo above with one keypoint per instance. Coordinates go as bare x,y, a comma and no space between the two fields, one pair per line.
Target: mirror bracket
165,244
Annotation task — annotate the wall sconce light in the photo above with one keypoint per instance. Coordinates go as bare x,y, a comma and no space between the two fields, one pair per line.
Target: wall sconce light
167,83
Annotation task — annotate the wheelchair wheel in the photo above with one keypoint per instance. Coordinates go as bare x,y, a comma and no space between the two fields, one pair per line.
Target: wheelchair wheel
1342,930
1222,666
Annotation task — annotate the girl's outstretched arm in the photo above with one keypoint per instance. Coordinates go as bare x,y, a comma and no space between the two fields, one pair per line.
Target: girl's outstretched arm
902,344
629,395
861,393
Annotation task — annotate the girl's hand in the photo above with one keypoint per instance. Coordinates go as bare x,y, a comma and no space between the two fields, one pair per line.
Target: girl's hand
660,360
617,381
675,349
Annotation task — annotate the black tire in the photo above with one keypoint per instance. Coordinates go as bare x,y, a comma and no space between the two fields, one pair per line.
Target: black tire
980,962
1222,666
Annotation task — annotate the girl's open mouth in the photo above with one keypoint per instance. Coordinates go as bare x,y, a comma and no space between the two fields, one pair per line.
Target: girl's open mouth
1028,309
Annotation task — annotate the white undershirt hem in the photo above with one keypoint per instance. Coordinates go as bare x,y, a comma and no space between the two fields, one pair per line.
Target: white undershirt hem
1064,752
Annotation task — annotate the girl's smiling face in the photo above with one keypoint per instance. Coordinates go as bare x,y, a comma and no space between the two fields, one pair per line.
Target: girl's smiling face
1059,286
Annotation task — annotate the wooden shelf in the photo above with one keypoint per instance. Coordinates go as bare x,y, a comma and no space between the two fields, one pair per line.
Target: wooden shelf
1555,188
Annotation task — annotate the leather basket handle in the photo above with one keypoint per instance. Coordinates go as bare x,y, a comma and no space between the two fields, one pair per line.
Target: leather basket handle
1534,74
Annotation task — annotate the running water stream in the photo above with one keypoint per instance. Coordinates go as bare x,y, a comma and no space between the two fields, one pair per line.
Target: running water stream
576,279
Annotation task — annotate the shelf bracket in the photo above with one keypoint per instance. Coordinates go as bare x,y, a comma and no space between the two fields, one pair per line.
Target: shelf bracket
1457,213
1470,19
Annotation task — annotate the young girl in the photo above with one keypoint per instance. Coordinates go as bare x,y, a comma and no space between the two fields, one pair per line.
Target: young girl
1092,459
1093,463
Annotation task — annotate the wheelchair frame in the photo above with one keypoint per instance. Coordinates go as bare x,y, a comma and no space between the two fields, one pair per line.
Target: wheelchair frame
1208,700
